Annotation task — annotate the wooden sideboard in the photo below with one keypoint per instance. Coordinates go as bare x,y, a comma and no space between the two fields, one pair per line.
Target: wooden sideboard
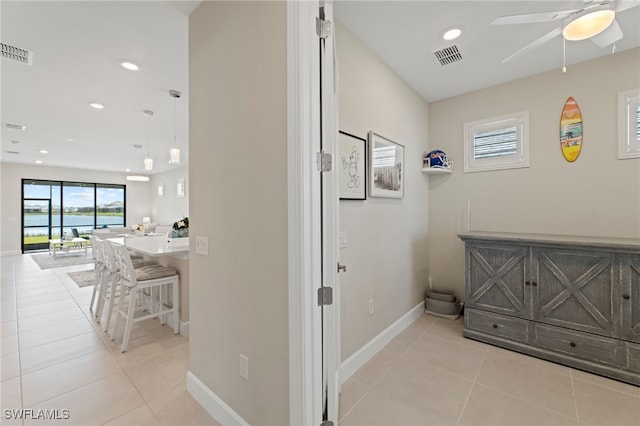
571,300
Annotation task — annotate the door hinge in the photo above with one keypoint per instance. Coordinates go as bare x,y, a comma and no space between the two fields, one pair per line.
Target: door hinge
323,28
325,296
323,161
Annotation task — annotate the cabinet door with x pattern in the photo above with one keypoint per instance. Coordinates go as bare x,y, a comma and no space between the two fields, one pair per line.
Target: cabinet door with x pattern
495,278
575,289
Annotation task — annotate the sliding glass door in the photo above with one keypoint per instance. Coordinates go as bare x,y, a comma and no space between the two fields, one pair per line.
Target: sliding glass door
52,209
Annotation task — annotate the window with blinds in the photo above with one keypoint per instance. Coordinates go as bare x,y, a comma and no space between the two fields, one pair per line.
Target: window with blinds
629,124
497,143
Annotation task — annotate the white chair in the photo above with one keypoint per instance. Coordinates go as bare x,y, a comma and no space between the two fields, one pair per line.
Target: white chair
98,268
144,294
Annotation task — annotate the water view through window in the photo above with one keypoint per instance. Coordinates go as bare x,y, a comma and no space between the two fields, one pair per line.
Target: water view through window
52,208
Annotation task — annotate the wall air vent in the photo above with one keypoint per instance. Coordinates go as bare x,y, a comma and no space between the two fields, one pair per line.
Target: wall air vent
12,152
448,55
15,126
17,54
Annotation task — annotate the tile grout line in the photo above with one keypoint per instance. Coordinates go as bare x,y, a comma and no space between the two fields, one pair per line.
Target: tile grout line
475,378
573,393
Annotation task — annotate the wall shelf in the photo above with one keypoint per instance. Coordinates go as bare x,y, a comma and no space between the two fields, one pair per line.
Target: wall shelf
436,170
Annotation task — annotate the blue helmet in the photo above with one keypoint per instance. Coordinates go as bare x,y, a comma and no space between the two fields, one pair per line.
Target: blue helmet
437,158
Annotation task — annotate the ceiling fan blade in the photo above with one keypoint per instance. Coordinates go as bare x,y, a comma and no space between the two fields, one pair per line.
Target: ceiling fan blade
532,17
537,42
608,36
625,5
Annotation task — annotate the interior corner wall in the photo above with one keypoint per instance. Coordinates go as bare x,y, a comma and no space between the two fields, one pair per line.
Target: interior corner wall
11,197
238,183
387,249
168,207
597,195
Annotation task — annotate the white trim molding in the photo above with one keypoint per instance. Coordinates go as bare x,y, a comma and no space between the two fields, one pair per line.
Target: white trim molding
369,350
10,253
212,403
184,328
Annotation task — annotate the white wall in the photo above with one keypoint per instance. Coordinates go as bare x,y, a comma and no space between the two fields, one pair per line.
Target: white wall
169,207
238,184
597,195
387,255
11,198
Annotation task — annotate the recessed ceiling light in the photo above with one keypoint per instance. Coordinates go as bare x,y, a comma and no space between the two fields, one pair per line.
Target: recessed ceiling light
38,161
452,34
70,140
96,105
127,170
129,65
44,151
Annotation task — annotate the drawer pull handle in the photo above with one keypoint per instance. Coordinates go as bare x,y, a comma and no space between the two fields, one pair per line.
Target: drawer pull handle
527,283
494,325
625,296
572,344
533,283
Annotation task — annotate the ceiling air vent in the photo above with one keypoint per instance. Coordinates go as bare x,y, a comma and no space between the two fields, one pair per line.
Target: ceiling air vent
14,126
448,55
12,152
17,54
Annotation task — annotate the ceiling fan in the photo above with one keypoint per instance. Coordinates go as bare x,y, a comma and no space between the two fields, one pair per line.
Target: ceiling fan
595,21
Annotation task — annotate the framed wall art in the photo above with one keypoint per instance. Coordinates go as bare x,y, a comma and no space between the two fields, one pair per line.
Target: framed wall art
352,162
180,188
386,167
161,190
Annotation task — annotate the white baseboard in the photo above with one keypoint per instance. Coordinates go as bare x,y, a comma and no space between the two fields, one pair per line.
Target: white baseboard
10,253
365,353
212,403
184,328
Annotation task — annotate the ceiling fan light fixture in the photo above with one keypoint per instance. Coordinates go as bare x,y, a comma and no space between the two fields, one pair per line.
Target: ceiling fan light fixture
452,34
588,23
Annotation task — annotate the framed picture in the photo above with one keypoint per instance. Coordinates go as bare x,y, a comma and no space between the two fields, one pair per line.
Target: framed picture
180,189
386,167
161,190
352,167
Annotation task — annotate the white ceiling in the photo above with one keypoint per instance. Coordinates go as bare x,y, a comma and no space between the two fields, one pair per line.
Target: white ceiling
78,45
404,34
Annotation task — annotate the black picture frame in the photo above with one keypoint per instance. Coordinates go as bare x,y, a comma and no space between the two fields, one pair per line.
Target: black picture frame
352,166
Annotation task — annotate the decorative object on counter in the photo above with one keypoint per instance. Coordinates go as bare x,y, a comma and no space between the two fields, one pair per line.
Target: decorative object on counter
571,130
138,230
436,161
442,304
352,167
180,228
386,167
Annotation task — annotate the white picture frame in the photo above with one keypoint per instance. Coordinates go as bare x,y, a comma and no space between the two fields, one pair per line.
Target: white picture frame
386,167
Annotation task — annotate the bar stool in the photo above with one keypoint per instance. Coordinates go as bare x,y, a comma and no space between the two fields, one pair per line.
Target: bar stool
96,246
144,294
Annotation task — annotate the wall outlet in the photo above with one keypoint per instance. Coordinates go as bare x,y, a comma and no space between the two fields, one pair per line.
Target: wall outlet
244,367
371,307
202,245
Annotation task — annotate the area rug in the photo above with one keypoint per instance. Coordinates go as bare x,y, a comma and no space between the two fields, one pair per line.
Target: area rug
46,261
83,278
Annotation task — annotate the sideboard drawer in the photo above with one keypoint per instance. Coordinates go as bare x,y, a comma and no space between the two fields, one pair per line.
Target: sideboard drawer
496,324
633,356
577,344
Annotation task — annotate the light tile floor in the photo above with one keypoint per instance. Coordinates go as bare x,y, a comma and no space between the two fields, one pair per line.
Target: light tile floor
431,375
55,357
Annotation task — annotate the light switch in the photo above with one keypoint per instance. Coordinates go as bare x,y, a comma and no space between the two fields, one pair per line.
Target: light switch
202,245
343,239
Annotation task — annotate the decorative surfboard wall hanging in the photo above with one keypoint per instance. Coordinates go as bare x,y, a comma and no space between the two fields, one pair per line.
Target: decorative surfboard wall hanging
571,130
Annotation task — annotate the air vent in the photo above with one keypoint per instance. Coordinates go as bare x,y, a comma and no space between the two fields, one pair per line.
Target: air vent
17,54
448,55
12,152
15,126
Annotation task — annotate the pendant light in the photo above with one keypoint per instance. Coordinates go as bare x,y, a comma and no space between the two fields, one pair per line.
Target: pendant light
174,151
148,161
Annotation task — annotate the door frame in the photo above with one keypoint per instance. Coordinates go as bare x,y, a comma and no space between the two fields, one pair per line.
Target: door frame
304,237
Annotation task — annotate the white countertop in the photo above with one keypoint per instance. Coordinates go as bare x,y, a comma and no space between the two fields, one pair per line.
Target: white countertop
158,245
